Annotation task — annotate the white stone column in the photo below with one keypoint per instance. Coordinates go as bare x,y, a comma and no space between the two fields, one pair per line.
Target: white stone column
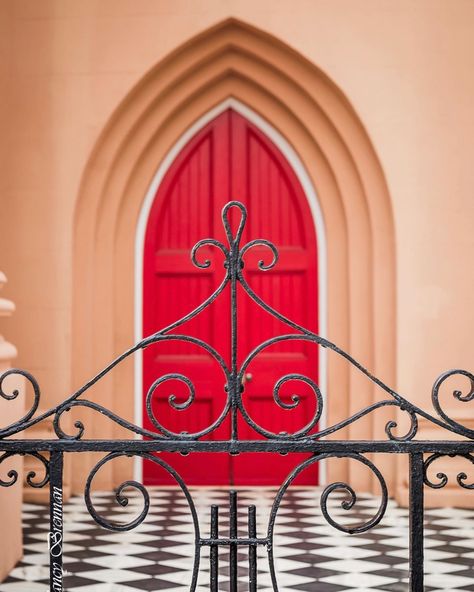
11,545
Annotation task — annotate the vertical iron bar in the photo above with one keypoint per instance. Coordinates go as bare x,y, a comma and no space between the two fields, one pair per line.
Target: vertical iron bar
234,339
416,522
214,551
233,535
56,522
252,550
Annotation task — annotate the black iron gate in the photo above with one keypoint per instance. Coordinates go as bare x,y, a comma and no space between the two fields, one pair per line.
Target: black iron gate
421,454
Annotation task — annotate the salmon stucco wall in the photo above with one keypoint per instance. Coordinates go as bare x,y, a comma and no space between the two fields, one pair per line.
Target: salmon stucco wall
406,69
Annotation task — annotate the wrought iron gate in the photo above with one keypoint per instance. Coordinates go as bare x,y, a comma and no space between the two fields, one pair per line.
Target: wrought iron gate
421,454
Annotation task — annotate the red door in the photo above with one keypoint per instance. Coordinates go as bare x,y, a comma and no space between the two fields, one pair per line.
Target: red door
229,159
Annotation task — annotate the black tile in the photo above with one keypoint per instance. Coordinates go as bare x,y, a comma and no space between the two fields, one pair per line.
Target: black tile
150,584
85,554
159,555
74,567
156,569
401,574
395,587
319,587
384,559
73,581
315,572
454,548
310,558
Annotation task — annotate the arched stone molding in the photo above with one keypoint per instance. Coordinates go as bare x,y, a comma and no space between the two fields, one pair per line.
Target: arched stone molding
236,60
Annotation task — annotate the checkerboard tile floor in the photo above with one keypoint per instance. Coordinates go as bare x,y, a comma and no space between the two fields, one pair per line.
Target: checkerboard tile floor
310,555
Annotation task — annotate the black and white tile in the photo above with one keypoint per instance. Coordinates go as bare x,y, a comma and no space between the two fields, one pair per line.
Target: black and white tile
310,554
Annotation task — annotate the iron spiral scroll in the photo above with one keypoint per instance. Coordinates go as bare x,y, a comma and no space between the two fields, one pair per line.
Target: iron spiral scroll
232,375
308,438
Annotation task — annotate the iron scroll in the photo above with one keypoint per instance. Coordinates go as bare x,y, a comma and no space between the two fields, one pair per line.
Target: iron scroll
423,454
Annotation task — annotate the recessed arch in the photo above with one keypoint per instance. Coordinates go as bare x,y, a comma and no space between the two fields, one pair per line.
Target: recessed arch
234,60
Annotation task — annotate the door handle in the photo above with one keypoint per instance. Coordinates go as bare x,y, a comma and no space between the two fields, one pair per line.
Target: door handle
247,377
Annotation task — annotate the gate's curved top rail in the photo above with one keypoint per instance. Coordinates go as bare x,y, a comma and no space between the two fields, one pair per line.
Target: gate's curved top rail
234,264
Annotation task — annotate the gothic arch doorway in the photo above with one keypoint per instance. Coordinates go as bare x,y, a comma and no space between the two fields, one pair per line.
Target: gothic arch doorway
235,60
229,158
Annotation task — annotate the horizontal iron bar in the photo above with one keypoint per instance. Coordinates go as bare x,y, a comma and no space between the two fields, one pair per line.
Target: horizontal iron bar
235,447
237,541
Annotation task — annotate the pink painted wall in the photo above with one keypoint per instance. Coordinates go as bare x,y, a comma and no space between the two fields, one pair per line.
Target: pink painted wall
406,67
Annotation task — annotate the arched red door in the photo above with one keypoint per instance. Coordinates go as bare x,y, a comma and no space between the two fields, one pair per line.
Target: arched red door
229,159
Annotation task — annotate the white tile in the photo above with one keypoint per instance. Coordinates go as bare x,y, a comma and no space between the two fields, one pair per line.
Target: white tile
36,558
178,577
341,540
430,554
450,512
31,573
185,551
359,580
70,548
446,581
118,561
440,567
456,523
130,537
402,542
36,547
327,530
346,553
459,532
113,575
282,551
125,549
352,565
35,508
433,554
185,563
23,587
40,536
284,580
394,531
106,587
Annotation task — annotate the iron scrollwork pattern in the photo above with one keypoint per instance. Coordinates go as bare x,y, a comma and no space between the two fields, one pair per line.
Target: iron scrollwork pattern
308,438
442,478
12,474
233,377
